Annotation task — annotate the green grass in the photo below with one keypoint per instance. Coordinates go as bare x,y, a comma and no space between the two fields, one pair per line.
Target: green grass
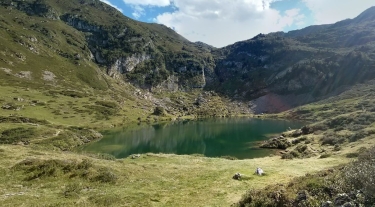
153,179
43,121
55,178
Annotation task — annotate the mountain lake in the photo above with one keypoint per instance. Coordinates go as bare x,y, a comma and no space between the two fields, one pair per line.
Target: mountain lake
235,137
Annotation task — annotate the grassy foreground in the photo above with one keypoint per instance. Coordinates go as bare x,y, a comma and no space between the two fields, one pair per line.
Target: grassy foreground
40,167
48,178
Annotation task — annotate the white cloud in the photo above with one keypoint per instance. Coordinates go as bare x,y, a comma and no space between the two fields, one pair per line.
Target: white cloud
159,3
110,4
331,11
223,22
138,11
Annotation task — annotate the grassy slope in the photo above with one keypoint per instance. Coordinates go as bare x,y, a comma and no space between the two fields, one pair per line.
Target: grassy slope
152,180
158,180
163,180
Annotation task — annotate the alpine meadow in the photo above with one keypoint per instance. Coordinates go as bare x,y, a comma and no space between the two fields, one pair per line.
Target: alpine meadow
73,70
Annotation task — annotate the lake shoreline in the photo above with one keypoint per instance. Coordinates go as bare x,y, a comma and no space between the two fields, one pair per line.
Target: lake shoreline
202,141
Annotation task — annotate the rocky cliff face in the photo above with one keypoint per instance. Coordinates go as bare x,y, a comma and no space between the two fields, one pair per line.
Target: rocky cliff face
147,55
37,8
125,65
311,62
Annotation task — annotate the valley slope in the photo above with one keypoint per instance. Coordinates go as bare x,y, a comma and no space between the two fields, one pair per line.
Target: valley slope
71,68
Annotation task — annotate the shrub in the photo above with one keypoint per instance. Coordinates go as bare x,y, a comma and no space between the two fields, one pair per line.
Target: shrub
298,140
105,200
352,155
301,148
325,156
332,140
308,141
11,136
295,153
38,169
159,111
197,155
357,136
106,176
72,190
287,156
360,175
104,156
229,157
102,112
108,104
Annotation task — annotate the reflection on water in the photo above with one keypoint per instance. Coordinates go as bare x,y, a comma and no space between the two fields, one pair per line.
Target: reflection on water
213,138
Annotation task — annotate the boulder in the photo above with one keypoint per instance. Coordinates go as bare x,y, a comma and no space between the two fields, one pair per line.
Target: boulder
349,204
342,199
327,204
259,171
237,176
302,196
18,99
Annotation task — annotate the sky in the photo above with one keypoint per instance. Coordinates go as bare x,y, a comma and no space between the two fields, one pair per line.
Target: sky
223,22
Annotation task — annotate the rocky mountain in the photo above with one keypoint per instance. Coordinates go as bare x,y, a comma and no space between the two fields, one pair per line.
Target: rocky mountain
299,66
148,55
85,42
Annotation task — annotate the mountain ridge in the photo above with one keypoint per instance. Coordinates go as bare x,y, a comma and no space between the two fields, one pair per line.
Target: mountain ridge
156,58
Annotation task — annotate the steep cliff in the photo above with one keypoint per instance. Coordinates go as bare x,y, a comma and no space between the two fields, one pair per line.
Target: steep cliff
88,38
145,54
315,61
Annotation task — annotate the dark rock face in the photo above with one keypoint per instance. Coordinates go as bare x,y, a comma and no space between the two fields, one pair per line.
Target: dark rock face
275,71
302,62
342,199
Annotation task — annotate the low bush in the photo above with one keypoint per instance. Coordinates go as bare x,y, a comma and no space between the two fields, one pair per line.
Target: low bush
229,157
15,135
106,176
360,175
72,190
301,148
332,140
102,112
287,156
108,104
352,155
325,156
337,147
70,93
357,136
70,138
299,140
159,111
104,156
106,200
85,169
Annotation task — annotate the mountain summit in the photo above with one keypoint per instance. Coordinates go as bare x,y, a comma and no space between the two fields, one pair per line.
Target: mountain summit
86,39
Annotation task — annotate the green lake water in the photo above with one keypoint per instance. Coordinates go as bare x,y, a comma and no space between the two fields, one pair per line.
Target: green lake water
237,137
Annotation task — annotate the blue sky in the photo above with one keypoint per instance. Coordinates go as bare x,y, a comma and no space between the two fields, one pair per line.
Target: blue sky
223,22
